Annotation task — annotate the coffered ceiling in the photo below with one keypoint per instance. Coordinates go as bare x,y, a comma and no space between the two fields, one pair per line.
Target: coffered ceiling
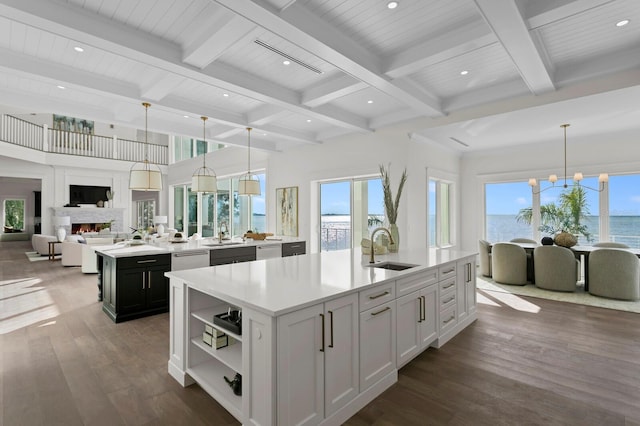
449,71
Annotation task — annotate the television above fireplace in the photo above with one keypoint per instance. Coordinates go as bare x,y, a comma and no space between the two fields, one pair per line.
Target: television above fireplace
85,194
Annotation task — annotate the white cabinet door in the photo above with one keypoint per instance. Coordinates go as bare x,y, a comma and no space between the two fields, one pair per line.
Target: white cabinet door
377,343
471,288
341,352
408,321
301,367
429,324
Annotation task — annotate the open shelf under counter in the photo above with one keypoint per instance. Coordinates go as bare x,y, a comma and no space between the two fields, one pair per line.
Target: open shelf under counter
231,355
206,316
210,376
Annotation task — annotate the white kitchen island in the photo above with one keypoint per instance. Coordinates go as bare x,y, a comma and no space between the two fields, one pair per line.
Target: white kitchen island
322,334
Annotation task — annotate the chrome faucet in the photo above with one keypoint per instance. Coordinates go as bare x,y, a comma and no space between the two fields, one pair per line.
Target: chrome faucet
221,232
371,260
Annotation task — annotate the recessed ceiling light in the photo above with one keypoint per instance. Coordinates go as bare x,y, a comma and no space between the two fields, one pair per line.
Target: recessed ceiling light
185,116
369,101
309,121
226,95
465,72
392,4
78,49
264,134
61,87
286,62
622,23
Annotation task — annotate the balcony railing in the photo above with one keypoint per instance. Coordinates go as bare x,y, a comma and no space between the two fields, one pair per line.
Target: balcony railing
42,138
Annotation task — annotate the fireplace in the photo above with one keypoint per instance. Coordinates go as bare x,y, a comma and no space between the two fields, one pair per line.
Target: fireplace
92,219
79,228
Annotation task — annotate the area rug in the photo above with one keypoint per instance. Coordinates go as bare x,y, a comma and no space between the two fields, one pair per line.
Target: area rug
34,256
579,296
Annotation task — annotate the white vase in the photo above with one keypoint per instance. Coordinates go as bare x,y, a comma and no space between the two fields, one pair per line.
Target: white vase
106,204
62,234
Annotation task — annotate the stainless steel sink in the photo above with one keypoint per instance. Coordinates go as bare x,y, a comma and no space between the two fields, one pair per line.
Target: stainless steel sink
225,243
393,266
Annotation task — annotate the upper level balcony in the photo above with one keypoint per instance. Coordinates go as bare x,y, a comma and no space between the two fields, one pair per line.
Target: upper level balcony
22,133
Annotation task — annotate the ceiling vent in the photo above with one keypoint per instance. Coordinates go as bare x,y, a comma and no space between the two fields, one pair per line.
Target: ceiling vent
289,57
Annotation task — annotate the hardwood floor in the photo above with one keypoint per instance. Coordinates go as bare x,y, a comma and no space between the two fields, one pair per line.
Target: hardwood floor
524,362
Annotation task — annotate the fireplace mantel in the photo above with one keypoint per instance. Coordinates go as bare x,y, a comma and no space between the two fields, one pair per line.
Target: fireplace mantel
93,215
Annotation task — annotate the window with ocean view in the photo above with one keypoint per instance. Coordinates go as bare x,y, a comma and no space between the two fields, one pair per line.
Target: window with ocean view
349,210
624,209
503,202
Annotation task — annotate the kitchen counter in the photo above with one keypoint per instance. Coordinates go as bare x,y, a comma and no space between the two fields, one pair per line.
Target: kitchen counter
278,286
319,336
125,249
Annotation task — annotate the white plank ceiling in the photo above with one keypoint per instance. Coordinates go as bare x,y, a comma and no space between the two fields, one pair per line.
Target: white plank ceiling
355,66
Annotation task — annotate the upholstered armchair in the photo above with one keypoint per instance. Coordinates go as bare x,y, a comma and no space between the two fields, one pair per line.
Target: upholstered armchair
614,273
556,268
509,264
40,243
484,249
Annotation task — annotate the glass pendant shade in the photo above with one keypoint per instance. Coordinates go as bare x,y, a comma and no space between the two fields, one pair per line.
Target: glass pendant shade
204,178
249,184
145,176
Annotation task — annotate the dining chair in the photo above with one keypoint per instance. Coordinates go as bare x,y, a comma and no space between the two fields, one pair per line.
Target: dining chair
614,273
556,268
509,264
484,248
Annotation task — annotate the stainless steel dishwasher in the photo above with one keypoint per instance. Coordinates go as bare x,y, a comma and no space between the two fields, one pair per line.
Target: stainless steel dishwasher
268,251
189,260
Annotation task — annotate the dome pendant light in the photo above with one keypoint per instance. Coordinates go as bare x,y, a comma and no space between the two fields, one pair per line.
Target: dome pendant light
145,176
248,183
204,179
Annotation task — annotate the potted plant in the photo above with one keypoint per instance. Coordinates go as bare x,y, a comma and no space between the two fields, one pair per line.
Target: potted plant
392,203
563,221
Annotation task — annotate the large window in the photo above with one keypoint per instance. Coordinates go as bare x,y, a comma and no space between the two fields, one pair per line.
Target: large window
440,220
226,211
503,203
349,211
185,148
14,214
624,209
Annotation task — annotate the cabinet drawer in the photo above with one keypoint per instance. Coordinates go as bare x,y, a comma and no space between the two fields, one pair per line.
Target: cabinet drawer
447,286
447,319
143,261
447,300
415,282
232,255
447,271
293,249
377,295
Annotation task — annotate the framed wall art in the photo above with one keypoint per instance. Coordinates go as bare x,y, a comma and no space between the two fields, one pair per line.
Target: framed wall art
287,211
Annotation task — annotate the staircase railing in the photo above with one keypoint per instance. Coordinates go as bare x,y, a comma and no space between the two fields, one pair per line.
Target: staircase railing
42,138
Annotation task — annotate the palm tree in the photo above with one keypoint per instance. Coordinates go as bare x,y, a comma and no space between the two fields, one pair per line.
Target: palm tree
567,215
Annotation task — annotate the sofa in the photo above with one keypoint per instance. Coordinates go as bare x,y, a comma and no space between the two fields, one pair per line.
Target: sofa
40,243
76,251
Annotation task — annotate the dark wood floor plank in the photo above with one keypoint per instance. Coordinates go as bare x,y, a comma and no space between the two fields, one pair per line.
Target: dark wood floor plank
526,361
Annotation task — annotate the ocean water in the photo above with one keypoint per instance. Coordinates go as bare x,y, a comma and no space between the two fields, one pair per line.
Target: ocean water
623,229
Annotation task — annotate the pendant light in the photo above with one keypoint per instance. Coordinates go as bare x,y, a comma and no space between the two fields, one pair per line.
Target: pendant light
248,183
577,177
204,179
145,176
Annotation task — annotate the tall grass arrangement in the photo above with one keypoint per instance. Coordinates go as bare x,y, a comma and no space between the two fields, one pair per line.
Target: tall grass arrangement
391,204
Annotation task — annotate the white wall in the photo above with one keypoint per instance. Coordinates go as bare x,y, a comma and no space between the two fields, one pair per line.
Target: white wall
591,155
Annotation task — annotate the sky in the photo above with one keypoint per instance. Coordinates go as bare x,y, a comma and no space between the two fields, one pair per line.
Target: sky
509,198
335,197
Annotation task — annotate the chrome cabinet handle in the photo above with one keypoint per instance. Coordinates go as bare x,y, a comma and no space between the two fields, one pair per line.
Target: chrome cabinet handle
322,348
148,261
193,253
144,281
149,279
380,311
449,286
424,308
379,295
331,328
419,299
449,271
449,320
449,300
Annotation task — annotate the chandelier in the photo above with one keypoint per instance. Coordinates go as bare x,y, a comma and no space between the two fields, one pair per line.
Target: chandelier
248,183
145,176
577,177
204,179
